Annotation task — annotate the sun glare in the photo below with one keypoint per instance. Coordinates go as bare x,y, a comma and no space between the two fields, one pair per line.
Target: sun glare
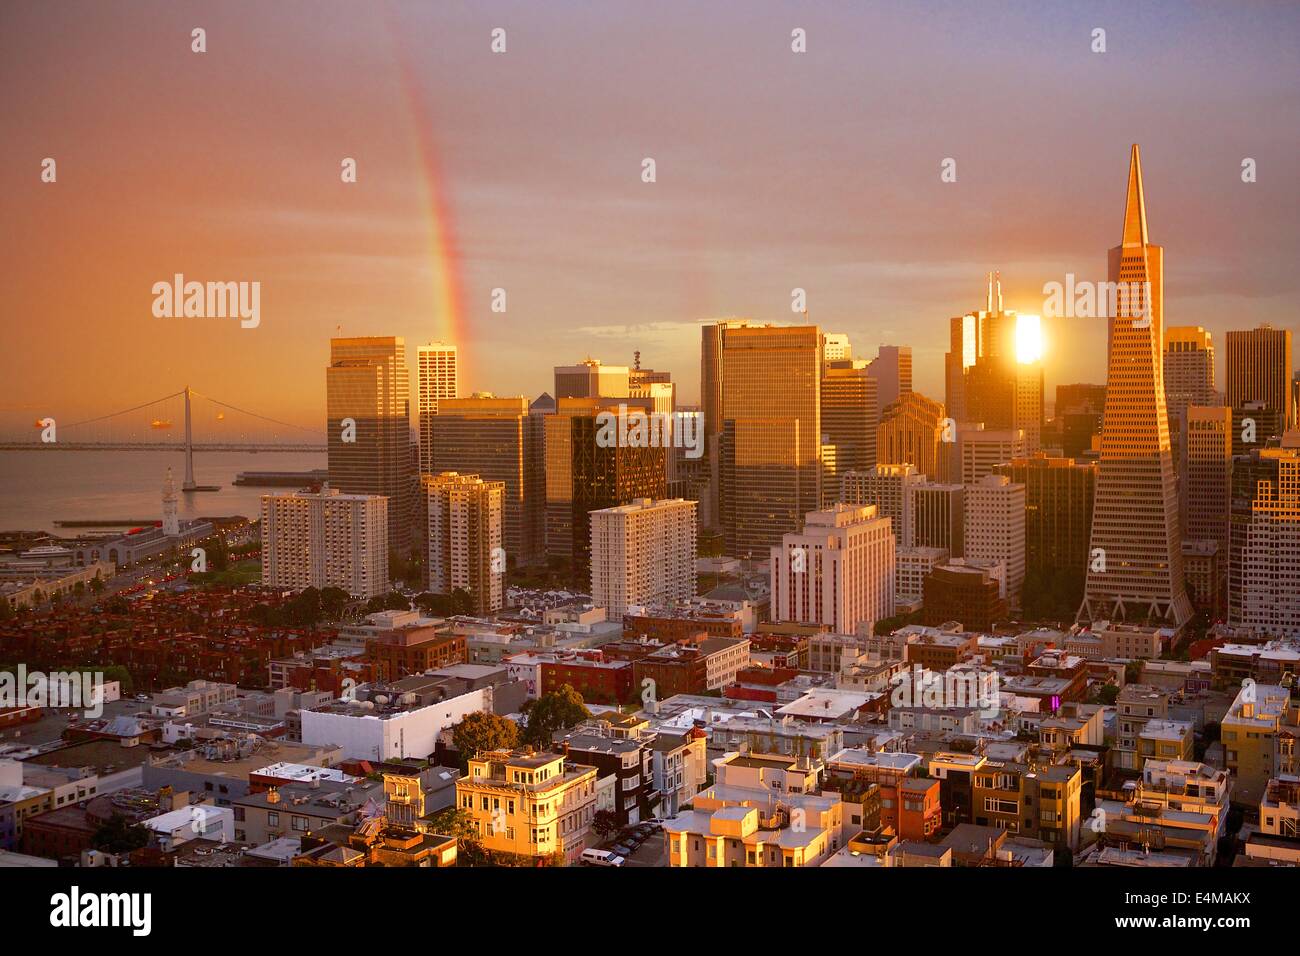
1029,338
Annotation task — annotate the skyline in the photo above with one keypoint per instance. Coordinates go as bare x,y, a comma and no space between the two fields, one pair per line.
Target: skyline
594,261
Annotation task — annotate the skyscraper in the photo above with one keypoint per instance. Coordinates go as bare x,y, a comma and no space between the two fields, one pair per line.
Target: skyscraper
995,527
892,368
437,377
990,375
1259,370
980,448
771,420
642,552
850,415
498,440
1058,511
1137,575
368,401
585,475
910,432
1205,490
1189,369
888,487
590,379
711,406
1271,560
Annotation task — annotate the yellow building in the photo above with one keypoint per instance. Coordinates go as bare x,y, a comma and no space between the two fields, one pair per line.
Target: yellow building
1258,734
529,803
1038,802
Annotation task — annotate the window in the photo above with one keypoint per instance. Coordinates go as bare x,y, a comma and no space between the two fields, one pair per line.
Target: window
273,819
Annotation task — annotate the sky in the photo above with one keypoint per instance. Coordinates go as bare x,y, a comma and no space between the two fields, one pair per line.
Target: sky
522,171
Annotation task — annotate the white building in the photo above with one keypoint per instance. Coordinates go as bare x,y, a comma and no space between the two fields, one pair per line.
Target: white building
981,448
1271,558
995,527
385,730
198,821
642,553
436,378
838,571
326,539
911,567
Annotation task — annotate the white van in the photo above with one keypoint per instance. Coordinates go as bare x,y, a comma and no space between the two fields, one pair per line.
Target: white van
601,858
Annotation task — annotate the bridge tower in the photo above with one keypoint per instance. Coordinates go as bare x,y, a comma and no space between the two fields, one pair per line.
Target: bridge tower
189,484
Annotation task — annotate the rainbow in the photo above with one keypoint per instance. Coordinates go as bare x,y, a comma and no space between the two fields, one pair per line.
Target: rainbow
444,253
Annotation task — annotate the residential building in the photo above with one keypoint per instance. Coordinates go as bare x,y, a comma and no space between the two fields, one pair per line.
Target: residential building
326,539
642,553
465,550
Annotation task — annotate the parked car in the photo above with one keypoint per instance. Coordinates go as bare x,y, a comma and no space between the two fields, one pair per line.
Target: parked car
601,858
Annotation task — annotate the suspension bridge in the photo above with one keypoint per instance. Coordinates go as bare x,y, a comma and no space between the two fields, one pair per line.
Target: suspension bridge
149,427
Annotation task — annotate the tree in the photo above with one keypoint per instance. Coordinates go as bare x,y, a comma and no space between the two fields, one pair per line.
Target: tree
392,601
117,834
333,602
553,712
457,823
218,553
481,731
97,584
439,605
604,823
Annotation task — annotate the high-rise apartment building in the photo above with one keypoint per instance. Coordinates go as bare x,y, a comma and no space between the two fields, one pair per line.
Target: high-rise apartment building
1135,532
771,433
498,440
326,539
910,432
367,388
1058,511
1271,559
995,527
437,377
465,550
642,553
1260,369
838,571
892,368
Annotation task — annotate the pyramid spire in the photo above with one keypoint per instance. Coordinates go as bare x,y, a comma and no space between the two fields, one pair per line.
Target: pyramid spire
1135,208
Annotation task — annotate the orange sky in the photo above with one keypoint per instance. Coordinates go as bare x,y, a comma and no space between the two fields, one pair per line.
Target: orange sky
521,171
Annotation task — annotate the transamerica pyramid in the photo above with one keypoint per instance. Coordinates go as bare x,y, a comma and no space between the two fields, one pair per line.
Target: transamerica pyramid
1135,570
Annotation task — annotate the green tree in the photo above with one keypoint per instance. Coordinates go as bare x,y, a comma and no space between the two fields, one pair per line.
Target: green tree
482,731
553,712
117,834
218,553
605,824
455,822
97,584
333,602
